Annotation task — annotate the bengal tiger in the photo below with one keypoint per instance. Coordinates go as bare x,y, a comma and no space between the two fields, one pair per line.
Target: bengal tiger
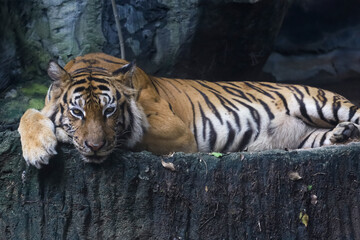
100,103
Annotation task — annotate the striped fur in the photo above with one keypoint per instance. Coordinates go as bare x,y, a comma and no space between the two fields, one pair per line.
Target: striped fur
164,115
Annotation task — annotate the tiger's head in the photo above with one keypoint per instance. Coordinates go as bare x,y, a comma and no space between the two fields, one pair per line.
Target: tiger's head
97,110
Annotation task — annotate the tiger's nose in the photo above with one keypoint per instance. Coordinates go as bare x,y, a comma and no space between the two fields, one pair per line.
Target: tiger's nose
95,146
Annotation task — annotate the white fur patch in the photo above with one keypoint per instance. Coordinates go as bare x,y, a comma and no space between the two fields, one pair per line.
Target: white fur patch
139,123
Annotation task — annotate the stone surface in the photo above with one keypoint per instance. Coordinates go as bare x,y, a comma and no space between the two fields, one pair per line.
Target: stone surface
132,196
318,43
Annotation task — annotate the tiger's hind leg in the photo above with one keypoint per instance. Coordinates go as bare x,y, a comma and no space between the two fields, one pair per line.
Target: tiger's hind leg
343,133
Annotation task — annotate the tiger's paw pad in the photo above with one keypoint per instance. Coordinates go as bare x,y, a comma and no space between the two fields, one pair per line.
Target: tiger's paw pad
37,138
345,131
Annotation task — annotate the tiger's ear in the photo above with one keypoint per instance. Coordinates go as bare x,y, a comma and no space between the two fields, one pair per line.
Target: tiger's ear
58,74
127,72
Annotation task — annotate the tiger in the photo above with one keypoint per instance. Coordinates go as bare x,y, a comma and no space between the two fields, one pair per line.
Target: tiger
100,103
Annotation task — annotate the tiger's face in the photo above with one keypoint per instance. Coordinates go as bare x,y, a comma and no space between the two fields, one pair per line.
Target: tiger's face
97,112
91,115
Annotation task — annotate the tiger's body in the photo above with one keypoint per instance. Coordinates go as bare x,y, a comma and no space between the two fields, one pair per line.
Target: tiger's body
99,102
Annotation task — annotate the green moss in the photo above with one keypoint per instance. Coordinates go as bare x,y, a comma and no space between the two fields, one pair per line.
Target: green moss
34,89
36,103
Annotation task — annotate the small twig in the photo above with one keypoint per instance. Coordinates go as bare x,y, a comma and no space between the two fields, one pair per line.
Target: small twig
118,27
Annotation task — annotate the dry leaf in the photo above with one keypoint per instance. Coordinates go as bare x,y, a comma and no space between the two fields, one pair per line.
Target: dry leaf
294,176
168,165
304,218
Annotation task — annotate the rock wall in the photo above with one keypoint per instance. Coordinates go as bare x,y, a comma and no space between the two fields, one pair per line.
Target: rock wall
307,194
218,39
213,40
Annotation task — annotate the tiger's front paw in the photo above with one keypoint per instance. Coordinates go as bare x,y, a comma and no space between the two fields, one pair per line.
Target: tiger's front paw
345,131
37,138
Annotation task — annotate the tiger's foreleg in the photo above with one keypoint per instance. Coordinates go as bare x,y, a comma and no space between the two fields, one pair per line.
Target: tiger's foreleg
38,139
38,134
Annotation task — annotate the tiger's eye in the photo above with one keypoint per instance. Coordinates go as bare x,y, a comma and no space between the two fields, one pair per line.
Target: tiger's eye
109,111
77,113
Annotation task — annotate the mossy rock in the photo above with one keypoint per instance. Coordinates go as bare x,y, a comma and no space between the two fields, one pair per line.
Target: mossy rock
34,89
36,103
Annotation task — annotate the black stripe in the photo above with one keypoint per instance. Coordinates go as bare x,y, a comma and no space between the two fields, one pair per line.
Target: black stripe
118,94
65,98
252,96
259,90
284,102
99,80
357,121
206,86
313,143
321,114
203,119
304,141
336,106
79,89
178,81
213,136
303,110
307,89
80,75
255,115
79,82
80,70
171,108
53,116
235,92
165,90
212,132
231,137
210,105
103,88
124,69
235,114
267,109
152,82
352,111
298,91
193,110
246,138
268,85
173,85
323,138
223,100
